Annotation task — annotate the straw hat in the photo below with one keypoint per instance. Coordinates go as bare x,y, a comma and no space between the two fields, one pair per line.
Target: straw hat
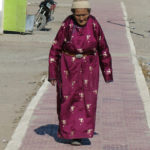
80,4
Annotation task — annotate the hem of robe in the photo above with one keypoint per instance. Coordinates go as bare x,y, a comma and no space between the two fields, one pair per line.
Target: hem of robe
74,137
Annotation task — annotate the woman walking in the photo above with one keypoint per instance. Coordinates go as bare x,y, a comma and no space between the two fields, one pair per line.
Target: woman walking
76,55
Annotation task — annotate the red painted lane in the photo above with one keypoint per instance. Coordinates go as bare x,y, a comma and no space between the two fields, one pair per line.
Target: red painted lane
121,122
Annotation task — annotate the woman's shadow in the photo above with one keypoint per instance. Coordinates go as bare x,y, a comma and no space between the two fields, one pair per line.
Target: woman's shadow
51,130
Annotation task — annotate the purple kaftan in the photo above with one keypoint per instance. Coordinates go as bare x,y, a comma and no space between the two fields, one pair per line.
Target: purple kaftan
78,78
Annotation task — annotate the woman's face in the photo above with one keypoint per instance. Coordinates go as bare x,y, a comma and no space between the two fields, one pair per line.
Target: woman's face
81,16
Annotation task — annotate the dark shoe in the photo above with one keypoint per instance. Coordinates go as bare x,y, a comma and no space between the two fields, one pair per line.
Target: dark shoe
76,142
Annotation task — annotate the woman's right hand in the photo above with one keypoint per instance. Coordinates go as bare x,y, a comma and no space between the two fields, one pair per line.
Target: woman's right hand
53,82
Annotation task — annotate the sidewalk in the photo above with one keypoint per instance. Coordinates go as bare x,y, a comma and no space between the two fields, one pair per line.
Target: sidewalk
121,121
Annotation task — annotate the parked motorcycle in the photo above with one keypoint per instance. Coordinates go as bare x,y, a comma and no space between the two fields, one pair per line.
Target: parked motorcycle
44,14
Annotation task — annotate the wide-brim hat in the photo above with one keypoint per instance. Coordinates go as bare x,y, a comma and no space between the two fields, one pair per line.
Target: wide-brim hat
80,4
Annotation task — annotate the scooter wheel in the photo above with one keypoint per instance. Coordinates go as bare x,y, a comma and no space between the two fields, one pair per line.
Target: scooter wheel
40,22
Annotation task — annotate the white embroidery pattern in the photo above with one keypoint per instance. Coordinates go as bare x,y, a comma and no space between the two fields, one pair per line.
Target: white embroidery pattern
88,37
94,25
64,122
84,58
54,42
73,59
72,108
88,106
95,92
66,72
108,71
72,37
90,68
66,97
89,132
80,50
65,40
104,54
52,60
73,83
81,121
71,25
85,82
81,95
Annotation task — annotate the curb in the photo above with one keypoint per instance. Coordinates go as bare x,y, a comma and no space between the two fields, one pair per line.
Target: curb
20,131
140,79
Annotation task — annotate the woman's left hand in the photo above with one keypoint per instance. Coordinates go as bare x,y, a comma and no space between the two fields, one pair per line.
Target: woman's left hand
53,82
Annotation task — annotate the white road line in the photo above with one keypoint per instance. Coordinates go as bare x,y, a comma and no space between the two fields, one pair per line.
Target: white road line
140,79
19,133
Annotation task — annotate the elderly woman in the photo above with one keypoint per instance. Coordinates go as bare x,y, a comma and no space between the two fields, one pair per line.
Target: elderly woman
74,59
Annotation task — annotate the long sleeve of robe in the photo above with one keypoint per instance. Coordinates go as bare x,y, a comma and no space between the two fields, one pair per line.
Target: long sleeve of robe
104,54
55,53
78,78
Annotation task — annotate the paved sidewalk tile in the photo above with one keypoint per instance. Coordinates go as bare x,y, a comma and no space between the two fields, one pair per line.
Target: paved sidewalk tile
120,121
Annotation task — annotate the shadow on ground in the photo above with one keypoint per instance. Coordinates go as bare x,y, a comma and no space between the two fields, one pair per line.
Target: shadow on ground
51,130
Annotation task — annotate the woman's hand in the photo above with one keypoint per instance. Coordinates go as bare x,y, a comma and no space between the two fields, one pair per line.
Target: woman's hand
53,82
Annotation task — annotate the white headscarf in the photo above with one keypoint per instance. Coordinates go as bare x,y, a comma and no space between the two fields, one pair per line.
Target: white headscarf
80,4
